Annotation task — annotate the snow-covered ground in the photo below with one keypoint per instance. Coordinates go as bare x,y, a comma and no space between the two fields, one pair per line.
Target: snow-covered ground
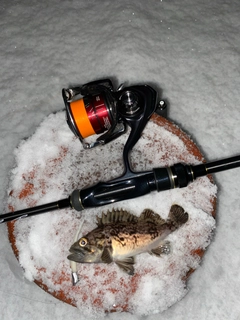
190,50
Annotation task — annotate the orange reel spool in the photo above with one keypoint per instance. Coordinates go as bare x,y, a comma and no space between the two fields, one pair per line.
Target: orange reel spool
91,115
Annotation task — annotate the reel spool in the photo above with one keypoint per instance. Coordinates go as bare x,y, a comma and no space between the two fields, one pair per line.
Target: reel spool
93,113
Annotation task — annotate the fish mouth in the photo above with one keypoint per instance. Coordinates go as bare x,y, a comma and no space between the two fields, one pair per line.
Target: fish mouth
74,250
77,254
76,257
84,255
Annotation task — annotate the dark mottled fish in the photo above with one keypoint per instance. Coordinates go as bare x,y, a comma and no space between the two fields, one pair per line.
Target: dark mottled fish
120,236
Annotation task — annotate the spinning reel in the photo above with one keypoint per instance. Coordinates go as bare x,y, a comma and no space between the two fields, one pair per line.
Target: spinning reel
95,108
103,110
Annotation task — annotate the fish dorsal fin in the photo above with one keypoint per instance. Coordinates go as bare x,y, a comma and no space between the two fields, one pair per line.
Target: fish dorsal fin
151,216
115,216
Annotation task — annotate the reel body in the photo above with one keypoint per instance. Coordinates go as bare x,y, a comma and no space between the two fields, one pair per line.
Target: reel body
96,108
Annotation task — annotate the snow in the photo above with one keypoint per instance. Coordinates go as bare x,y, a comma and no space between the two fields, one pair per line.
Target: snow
189,50
51,170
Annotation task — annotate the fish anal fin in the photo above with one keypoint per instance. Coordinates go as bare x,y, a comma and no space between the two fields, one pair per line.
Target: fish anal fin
106,256
164,248
126,265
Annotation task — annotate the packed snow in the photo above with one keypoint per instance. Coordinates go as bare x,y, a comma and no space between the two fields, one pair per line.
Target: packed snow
189,50
52,168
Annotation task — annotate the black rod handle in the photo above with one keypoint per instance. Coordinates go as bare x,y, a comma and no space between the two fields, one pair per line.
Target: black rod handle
130,186
139,184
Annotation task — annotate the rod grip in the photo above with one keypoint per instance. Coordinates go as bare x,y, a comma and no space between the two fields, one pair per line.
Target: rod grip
183,175
163,179
75,200
176,176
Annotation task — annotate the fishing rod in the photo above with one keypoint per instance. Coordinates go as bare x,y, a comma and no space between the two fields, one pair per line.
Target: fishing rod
128,187
101,109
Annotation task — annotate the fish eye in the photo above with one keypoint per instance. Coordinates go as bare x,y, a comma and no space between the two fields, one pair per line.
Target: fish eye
82,242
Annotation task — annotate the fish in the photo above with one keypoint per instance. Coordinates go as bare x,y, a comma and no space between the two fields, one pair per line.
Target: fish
120,236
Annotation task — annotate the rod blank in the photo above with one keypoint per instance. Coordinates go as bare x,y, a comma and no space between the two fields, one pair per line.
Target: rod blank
20,214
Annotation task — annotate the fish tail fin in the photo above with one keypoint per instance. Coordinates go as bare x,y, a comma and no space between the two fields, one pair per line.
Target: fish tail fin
178,215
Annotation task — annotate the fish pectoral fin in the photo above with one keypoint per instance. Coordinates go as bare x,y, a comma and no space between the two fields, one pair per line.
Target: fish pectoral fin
164,248
106,256
126,265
